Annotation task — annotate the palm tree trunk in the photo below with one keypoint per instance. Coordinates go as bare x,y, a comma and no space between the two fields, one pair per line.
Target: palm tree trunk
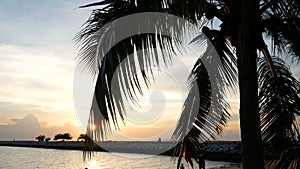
252,151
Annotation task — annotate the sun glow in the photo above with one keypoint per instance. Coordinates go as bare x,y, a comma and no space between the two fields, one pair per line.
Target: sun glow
93,164
93,127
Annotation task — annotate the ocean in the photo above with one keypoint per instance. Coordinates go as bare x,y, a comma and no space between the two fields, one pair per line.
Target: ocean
29,158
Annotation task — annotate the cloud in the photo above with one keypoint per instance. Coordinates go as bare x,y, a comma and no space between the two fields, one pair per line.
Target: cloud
46,115
25,128
36,75
28,127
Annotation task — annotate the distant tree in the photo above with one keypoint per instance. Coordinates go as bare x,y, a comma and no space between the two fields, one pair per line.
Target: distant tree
57,137
40,138
48,139
82,137
66,136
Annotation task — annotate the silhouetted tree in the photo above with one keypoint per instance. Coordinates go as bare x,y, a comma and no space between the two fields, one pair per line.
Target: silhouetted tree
82,137
47,139
57,137
65,136
40,138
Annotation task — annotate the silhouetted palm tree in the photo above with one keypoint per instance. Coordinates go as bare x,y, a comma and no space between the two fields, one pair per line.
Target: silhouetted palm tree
269,102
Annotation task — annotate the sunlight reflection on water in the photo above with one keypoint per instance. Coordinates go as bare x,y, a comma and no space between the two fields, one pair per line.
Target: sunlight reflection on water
28,158
93,164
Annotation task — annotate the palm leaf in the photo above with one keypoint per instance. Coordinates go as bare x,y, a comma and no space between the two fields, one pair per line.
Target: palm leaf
87,40
206,99
118,75
279,105
188,128
192,10
281,21
104,2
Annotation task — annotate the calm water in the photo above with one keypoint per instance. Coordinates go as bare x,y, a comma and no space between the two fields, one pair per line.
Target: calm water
23,158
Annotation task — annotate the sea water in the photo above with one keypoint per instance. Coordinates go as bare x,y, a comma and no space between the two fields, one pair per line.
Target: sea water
29,158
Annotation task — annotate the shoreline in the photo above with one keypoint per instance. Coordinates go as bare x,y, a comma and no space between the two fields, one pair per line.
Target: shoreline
65,145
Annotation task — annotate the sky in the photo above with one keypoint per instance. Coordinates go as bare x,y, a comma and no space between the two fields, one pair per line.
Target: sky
37,67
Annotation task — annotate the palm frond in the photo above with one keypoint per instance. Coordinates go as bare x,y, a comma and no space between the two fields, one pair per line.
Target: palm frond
205,110
197,105
223,49
279,105
103,2
281,21
118,74
110,10
191,10
88,39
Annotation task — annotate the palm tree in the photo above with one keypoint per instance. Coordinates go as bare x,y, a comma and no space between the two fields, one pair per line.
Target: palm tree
269,102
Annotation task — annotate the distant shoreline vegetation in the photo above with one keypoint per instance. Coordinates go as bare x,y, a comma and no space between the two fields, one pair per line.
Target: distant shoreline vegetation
215,150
